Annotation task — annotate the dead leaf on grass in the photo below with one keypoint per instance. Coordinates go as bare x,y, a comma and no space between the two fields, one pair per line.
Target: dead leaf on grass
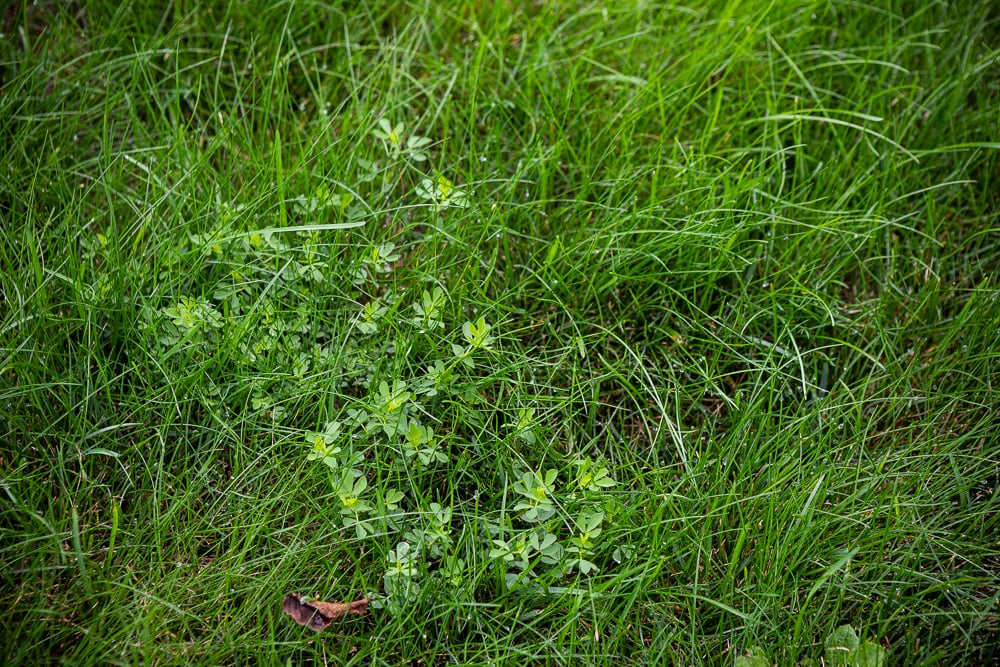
317,614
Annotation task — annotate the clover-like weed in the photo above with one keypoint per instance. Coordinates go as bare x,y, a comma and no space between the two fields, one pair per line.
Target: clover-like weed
442,193
420,443
428,310
537,501
324,445
391,136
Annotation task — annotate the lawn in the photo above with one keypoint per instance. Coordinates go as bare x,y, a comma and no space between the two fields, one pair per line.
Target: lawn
563,333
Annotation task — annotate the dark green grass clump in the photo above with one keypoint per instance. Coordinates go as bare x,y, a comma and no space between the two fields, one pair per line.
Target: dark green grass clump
574,334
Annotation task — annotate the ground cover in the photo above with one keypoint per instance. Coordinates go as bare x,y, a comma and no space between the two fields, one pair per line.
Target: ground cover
618,333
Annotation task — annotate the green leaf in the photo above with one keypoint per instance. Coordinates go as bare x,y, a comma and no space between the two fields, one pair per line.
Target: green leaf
392,499
477,334
754,658
622,553
869,655
841,646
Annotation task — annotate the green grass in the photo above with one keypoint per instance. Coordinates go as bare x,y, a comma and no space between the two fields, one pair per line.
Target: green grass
743,255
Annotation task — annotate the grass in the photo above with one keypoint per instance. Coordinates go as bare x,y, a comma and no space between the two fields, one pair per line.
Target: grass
727,270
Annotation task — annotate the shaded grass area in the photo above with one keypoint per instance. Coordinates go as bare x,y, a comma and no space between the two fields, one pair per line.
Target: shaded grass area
741,254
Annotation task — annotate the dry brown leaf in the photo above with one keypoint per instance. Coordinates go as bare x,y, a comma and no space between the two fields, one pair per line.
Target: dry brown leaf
317,614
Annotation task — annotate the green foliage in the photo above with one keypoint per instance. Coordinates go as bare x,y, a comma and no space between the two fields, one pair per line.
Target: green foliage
324,447
421,443
843,647
754,657
609,333
592,477
392,138
441,193
429,310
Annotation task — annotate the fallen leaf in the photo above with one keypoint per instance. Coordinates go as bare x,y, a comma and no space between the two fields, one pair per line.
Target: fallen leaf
317,614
